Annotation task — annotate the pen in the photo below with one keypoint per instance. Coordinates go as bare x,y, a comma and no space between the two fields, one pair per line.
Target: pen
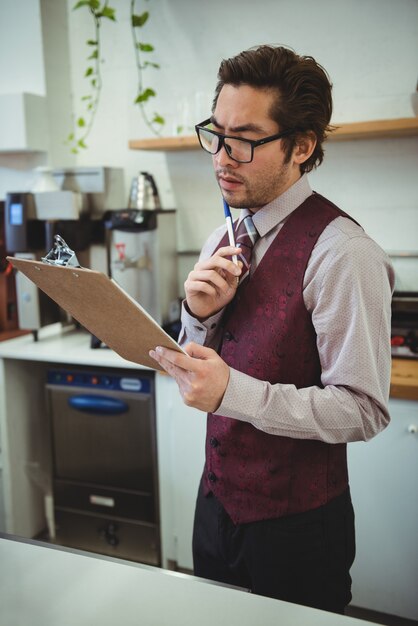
230,229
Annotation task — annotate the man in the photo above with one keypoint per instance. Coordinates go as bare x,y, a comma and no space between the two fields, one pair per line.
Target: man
292,362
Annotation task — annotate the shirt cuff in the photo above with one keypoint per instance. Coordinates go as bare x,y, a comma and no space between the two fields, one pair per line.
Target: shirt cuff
194,330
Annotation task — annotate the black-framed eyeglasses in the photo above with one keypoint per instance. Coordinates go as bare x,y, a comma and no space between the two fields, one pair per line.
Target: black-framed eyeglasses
237,148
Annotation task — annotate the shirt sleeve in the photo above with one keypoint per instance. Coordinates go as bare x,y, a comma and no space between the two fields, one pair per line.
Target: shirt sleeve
207,333
348,293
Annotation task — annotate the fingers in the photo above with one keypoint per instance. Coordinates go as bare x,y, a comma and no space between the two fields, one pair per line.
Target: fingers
209,282
188,362
201,375
214,275
219,261
171,360
197,351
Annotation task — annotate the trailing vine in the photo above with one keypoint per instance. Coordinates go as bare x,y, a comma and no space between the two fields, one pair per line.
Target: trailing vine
84,122
77,138
156,122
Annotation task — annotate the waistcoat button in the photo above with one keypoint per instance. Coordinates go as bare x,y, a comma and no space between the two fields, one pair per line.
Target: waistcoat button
213,442
212,477
228,336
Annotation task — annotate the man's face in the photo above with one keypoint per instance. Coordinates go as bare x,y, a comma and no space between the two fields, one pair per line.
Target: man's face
243,111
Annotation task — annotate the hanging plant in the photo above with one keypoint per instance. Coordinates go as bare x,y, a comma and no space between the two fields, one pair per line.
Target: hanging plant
84,123
155,122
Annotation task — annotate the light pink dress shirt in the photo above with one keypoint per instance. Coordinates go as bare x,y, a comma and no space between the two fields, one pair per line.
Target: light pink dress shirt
347,289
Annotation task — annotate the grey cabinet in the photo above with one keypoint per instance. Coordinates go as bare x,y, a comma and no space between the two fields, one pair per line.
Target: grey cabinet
383,478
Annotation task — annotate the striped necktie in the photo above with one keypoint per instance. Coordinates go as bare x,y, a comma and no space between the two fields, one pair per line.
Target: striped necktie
245,237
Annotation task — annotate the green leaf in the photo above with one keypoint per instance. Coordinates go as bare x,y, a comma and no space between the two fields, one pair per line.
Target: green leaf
82,3
90,106
81,143
70,137
139,20
94,83
81,122
145,47
145,95
92,42
150,64
89,72
86,98
94,55
158,119
107,12
93,4
74,150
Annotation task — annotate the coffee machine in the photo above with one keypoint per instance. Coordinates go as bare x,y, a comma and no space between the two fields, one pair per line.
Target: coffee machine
27,236
72,205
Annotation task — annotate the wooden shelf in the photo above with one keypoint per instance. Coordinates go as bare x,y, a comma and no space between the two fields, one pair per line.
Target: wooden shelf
167,144
403,127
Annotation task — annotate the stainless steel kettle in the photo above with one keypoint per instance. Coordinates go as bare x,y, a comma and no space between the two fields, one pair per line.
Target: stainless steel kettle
144,193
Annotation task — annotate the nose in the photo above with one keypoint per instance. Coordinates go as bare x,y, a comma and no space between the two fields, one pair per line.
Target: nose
222,159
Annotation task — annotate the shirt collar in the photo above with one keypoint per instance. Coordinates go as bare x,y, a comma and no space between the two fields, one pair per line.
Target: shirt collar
281,207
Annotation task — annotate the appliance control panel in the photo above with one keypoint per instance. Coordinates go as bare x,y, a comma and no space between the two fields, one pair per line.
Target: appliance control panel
96,380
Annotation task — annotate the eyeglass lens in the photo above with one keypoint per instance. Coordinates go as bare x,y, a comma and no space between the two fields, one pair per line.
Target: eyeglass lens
238,149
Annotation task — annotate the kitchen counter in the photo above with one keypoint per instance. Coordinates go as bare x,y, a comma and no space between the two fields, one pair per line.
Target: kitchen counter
49,586
58,344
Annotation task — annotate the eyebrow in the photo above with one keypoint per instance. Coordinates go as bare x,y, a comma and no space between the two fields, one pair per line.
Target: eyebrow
239,129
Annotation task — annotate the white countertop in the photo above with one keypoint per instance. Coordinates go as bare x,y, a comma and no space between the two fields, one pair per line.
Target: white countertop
44,585
62,345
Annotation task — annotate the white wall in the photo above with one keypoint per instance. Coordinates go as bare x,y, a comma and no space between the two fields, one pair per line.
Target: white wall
21,70
21,51
369,48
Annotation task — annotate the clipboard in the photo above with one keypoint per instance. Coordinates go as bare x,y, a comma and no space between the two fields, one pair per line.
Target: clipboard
99,304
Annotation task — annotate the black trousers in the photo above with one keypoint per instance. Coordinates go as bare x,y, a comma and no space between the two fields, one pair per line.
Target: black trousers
303,558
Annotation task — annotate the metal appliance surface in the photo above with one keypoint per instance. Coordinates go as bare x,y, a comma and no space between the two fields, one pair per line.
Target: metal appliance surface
142,253
144,193
104,462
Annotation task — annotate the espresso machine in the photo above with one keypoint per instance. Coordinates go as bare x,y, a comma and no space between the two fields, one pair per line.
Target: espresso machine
70,203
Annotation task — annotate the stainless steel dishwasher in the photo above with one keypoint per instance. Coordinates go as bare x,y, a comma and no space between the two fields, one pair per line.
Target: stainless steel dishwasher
104,462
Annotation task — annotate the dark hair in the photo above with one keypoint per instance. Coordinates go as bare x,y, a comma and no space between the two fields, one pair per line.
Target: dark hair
303,88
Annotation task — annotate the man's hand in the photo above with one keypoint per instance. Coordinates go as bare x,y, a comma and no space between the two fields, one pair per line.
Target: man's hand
212,283
202,376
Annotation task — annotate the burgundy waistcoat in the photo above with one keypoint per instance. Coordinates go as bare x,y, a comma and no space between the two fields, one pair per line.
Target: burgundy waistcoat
268,334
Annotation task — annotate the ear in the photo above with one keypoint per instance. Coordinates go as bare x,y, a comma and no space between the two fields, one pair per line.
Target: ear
305,145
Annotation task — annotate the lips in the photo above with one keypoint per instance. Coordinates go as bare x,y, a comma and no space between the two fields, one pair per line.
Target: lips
228,183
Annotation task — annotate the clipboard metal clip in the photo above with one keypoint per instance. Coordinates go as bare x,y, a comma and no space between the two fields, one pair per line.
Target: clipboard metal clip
61,254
